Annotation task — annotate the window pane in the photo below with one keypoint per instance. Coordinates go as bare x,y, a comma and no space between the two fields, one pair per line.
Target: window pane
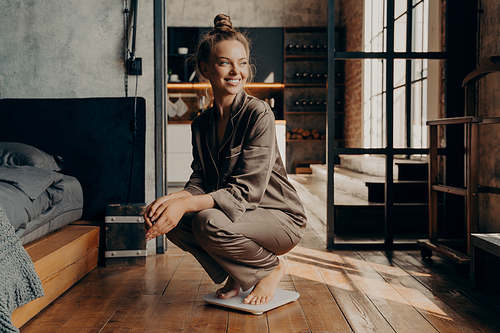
374,103
425,26
400,117
416,114
377,16
400,34
399,72
374,26
418,23
399,7
418,70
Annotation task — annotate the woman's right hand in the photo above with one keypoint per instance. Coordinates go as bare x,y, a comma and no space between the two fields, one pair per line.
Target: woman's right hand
166,216
152,207
163,214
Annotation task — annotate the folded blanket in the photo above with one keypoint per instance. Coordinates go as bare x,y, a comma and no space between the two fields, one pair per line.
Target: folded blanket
19,283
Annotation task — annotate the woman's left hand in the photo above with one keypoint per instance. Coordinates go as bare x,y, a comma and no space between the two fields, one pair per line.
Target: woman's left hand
167,215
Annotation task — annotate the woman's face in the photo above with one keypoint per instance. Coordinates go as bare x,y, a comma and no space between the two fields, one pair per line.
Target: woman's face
227,69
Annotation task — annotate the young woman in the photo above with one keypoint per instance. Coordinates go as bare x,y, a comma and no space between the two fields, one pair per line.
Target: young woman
238,211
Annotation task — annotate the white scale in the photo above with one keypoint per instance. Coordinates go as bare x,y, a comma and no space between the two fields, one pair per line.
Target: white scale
281,297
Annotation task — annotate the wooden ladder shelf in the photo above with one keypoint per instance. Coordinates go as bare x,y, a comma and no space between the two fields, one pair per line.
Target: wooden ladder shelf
471,122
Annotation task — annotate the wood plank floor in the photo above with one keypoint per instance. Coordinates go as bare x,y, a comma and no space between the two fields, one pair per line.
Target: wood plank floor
341,291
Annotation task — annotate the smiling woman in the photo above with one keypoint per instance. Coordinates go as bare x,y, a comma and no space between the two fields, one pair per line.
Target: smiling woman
238,211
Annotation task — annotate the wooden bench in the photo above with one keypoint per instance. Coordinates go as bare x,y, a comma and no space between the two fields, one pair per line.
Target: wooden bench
61,259
485,267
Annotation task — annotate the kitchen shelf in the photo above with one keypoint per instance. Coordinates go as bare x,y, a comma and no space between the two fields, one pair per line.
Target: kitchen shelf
177,122
299,63
305,85
178,55
304,57
305,112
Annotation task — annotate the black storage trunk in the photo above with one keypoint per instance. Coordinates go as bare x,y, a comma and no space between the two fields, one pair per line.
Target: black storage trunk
125,235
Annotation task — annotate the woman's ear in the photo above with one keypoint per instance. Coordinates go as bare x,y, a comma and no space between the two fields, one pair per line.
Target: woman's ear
204,70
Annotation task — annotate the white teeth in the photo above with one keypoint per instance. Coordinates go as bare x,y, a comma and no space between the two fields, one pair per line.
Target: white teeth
234,81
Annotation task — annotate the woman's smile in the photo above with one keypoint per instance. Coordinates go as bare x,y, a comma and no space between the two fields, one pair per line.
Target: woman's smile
228,68
233,82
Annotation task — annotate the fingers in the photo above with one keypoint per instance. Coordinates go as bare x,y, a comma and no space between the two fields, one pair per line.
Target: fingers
150,215
161,227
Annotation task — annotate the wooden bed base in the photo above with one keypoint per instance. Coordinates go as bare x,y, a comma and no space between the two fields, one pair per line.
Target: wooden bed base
61,259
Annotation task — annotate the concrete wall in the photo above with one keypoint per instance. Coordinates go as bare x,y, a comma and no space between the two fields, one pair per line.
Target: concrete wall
250,14
75,49
488,93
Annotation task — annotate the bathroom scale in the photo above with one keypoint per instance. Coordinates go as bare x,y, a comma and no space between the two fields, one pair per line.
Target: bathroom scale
281,297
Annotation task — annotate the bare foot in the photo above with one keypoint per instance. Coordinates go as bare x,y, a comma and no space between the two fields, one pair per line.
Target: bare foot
264,290
230,289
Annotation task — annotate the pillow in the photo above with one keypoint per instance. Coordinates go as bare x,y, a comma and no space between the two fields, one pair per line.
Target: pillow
32,181
14,153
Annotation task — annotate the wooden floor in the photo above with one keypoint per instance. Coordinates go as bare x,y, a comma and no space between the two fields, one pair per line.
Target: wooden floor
341,291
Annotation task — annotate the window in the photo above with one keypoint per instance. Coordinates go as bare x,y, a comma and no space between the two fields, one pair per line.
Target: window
410,86
402,55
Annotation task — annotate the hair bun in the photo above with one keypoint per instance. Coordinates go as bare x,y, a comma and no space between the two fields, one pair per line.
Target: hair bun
223,22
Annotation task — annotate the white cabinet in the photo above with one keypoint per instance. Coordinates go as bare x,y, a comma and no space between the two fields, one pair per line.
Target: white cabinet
179,154
179,151
281,136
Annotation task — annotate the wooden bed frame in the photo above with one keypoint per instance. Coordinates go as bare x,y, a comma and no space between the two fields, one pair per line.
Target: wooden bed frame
61,259
102,141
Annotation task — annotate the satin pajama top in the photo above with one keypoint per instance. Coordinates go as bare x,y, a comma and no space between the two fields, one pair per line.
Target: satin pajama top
247,171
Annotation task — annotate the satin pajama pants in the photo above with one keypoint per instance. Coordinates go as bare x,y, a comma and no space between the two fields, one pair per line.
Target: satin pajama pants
246,249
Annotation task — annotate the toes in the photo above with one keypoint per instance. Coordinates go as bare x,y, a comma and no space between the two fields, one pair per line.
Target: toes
256,300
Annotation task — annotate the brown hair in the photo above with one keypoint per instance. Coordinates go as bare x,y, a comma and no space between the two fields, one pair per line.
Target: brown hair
223,30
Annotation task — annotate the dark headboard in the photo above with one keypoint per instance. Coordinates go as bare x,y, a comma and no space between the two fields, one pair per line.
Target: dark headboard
94,136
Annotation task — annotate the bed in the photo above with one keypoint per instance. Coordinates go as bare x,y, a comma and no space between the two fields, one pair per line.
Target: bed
35,199
61,160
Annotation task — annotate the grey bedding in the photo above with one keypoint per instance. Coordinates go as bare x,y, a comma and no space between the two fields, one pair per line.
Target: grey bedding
67,210
33,197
